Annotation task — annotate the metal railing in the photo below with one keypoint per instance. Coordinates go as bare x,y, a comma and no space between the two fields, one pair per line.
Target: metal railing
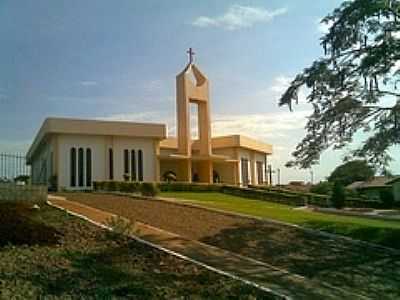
12,166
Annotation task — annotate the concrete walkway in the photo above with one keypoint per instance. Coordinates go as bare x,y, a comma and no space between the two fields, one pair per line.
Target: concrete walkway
277,281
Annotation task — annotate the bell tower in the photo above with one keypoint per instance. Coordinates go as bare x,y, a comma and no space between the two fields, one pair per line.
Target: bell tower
192,87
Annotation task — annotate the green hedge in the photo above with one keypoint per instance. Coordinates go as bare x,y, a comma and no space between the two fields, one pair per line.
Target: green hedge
149,189
188,187
252,192
323,200
145,188
279,197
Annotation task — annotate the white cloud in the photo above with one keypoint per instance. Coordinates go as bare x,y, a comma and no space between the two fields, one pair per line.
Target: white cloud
88,83
262,126
238,16
277,87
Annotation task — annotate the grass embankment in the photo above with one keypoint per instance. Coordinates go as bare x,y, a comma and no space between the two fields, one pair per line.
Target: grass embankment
48,254
386,233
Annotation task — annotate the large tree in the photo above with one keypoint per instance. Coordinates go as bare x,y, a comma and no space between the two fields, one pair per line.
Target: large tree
353,86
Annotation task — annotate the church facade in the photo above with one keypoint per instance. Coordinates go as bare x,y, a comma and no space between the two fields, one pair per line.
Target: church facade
72,153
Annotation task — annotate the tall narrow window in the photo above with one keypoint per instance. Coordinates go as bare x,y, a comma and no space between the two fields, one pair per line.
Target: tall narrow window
245,171
140,165
126,162
260,179
88,167
80,166
111,164
133,165
73,167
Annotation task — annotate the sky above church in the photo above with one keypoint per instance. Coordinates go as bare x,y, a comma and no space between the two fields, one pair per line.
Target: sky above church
117,60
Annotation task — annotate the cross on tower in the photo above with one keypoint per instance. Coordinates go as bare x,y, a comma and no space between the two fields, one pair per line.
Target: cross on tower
191,54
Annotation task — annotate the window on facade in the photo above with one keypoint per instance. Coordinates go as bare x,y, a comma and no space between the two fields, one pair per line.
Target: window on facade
133,166
245,171
140,165
73,167
80,167
126,162
111,164
260,172
88,167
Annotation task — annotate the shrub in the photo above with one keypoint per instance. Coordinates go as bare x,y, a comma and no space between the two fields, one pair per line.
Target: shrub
387,198
53,183
149,189
322,188
169,176
338,197
119,226
188,187
110,186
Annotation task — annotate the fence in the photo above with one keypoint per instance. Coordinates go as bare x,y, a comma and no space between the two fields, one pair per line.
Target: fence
16,192
12,166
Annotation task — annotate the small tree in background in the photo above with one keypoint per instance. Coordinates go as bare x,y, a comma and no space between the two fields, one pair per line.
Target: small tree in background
352,171
338,195
322,188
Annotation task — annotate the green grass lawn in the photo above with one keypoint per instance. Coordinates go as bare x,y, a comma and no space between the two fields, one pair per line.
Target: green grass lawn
385,233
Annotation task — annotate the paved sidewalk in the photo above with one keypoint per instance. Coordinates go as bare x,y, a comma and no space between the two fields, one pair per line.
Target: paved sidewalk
256,272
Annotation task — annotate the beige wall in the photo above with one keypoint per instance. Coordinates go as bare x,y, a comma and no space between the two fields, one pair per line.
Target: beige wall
226,172
253,157
100,146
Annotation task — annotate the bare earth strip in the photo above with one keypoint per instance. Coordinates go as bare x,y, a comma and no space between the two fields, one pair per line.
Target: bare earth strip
324,261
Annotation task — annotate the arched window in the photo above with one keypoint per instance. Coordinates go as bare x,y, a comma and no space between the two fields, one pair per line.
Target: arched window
73,167
140,165
88,167
80,167
111,164
133,165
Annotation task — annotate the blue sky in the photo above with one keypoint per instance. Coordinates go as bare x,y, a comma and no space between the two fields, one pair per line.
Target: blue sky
118,60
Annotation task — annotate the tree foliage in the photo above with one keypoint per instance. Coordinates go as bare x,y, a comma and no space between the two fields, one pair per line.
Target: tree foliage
354,85
352,171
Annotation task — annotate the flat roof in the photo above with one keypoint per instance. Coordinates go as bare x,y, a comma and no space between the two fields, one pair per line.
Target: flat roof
229,141
96,127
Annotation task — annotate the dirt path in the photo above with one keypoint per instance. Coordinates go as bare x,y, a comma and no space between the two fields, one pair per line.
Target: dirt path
354,267
276,280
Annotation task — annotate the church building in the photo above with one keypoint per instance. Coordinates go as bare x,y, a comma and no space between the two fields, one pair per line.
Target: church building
72,153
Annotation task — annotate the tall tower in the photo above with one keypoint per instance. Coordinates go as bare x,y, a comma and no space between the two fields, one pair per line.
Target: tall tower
192,87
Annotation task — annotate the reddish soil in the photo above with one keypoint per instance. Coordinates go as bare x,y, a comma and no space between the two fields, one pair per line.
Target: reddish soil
308,254
194,223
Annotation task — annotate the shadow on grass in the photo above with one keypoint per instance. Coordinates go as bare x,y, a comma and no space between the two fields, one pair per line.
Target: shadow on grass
19,227
366,270
388,237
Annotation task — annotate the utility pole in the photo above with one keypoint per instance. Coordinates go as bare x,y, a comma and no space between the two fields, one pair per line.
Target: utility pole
279,176
270,174
312,176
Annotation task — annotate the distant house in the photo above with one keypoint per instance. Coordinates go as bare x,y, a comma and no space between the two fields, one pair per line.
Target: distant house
375,186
